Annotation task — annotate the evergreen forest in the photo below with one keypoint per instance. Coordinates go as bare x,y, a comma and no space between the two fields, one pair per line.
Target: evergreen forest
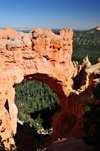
36,104
86,43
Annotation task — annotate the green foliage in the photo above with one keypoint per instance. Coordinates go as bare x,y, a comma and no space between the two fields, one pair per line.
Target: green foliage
37,97
88,43
85,43
33,97
92,120
38,123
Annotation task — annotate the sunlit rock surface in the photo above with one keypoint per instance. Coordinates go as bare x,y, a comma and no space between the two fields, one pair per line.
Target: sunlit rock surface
39,55
43,56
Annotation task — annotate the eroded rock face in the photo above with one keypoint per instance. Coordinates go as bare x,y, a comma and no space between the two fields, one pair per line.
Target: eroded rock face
39,55
43,56
70,118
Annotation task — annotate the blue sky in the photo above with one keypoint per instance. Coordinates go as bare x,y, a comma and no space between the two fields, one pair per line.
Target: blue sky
54,14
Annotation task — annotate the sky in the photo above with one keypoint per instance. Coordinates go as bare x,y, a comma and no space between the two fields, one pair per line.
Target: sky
54,14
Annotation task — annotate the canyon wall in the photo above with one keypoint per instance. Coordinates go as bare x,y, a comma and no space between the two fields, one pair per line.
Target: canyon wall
43,56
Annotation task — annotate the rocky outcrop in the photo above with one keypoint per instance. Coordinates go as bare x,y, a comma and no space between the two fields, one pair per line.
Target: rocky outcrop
39,55
43,56
98,28
70,119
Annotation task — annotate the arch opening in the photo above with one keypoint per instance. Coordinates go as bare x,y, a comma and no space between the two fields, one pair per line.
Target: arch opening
36,104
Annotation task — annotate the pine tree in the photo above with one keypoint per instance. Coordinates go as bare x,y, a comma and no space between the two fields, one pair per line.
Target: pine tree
92,120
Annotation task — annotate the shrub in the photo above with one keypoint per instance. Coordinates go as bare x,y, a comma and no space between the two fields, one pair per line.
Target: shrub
92,120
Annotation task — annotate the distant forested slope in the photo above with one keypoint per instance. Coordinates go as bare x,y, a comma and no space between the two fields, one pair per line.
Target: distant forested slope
86,43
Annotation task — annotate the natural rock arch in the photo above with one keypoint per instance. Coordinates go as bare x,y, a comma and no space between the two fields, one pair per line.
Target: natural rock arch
43,56
40,55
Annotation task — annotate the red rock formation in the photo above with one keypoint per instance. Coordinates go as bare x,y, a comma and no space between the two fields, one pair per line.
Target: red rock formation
40,55
70,118
43,56
98,28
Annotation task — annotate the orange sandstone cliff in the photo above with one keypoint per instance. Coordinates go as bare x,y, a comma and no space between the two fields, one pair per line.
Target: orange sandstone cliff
43,56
